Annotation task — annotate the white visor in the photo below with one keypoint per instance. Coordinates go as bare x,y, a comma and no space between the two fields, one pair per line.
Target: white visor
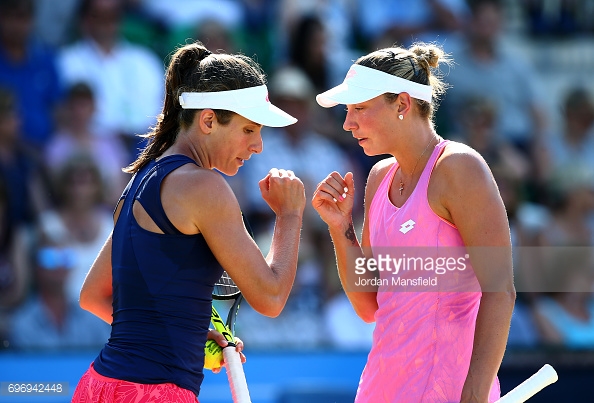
252,103
363,83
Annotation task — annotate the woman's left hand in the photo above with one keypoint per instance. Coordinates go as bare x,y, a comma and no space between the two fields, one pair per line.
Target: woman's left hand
221,341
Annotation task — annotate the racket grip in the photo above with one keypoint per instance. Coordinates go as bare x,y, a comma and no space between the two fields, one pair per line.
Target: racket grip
236,376
531,386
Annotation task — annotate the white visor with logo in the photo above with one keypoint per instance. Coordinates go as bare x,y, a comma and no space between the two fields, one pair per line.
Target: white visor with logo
364,83
252,103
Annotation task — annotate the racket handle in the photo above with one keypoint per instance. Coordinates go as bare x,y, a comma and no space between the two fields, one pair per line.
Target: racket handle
236,376
531,386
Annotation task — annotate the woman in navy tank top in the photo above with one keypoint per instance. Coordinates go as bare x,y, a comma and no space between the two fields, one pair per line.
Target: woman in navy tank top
178,225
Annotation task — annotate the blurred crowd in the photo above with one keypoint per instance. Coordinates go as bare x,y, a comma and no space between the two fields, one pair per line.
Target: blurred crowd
80,80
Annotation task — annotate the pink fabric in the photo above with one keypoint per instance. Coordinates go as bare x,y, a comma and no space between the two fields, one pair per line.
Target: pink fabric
96,388
423,341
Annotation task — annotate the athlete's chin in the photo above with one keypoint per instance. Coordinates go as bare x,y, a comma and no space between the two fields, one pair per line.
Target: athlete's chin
231,171
370,152
368,148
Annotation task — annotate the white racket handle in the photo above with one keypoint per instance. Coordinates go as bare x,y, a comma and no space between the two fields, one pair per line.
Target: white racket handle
531,386
236,376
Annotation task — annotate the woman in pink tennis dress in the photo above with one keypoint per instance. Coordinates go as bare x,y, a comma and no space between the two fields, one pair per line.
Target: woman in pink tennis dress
438,343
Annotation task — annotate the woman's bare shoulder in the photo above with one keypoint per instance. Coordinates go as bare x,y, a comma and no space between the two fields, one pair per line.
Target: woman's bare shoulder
380,169
460,160
193,194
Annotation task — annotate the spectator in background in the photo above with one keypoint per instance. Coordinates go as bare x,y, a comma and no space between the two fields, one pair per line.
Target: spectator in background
314,47
525,227
175,14
215,35
209,31
19,182
571,202
558,278
316,35
79,136
20,167
571,150
166,25
478,117
50,319
258,37
561,18
28,70
385,23
80,223
484,66
565,313
55,21
311,49
307,50
567,169
15,267
127,79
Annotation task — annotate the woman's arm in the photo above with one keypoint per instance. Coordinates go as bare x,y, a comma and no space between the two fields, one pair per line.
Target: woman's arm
338,215
96,295
470,197
347,250
214,211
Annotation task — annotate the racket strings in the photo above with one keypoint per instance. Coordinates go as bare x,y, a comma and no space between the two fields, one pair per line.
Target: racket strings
225,286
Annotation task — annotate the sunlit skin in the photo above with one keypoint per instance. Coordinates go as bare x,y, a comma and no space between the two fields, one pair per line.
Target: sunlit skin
194,150
217,146
370,122
212,145
198,200
460,190
375,124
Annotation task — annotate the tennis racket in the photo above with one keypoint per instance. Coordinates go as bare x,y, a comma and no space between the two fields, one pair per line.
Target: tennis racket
531,386
225,289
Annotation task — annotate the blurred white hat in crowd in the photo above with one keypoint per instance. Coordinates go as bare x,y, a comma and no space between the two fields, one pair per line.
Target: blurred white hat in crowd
291,82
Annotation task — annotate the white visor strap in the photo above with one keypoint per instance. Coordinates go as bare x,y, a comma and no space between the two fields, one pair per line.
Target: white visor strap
241,99
364,83
373,79
251,103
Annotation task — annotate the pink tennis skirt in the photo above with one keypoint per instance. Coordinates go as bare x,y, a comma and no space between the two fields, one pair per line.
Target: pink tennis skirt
96,388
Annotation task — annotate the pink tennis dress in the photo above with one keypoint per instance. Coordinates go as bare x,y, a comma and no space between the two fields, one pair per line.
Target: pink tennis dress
422,343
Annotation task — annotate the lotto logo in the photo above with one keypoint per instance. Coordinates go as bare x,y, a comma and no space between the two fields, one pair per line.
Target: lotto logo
407,226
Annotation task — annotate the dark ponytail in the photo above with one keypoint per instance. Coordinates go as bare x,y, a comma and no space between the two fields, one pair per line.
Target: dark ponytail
194,69
162,136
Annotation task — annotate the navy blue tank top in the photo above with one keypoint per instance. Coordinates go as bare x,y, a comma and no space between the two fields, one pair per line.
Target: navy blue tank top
162,291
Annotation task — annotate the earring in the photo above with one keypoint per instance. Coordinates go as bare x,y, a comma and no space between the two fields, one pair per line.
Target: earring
400,117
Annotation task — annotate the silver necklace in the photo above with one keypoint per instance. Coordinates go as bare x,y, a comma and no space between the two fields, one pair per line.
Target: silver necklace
401,188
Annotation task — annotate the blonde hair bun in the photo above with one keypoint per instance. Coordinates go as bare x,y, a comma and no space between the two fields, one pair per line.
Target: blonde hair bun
427,55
